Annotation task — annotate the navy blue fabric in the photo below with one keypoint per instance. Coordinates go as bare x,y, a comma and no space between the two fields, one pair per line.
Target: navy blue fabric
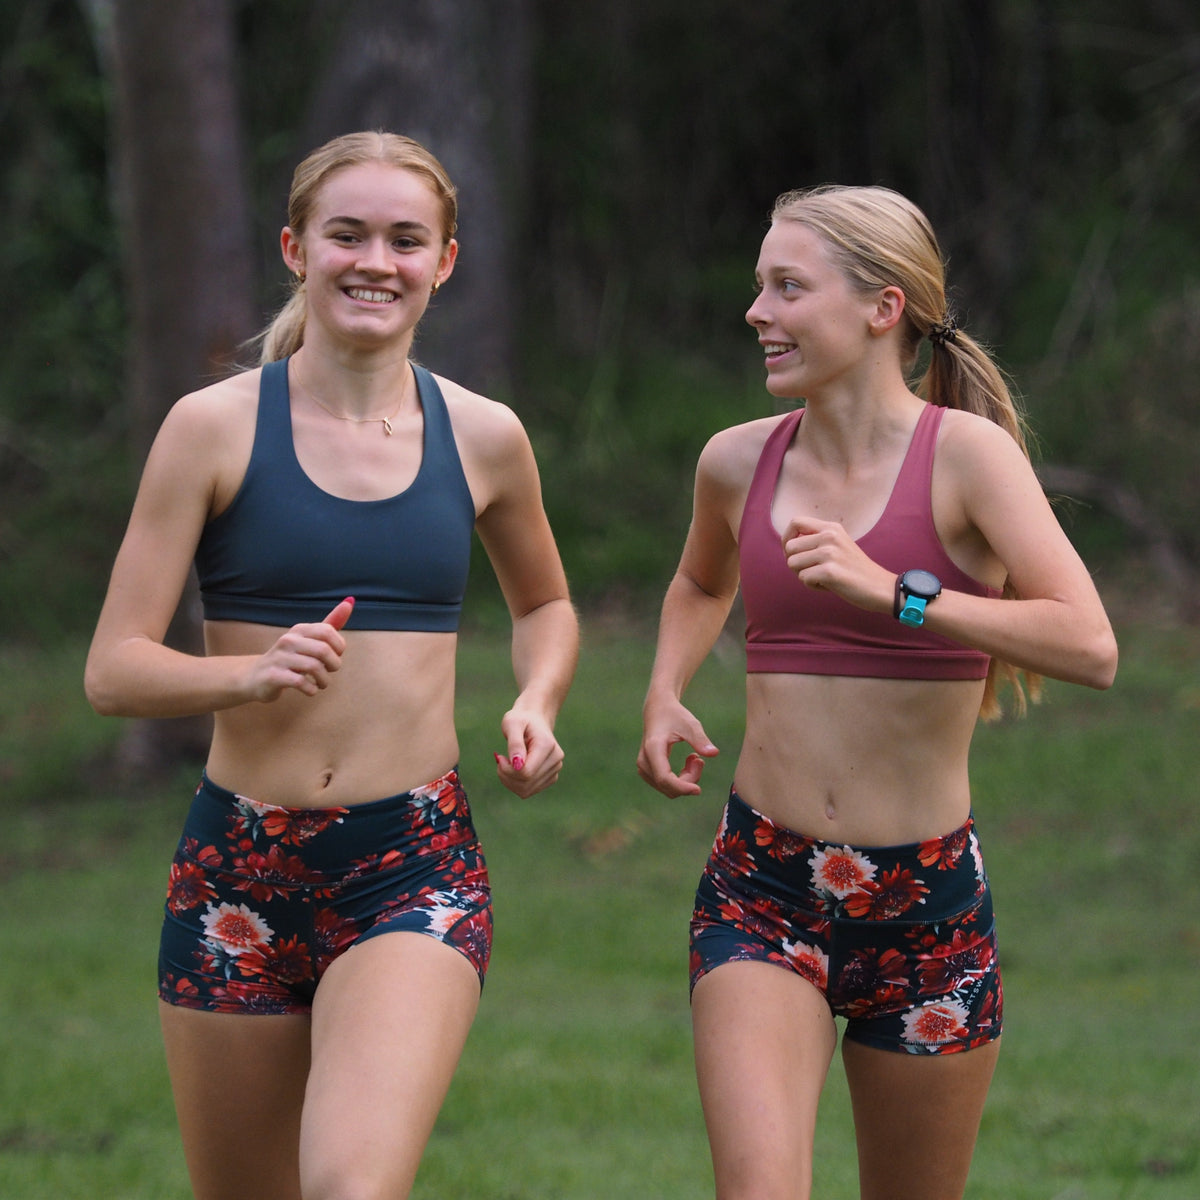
285,551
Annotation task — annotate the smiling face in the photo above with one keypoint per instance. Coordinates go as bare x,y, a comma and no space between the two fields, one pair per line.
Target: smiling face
813,325
371,250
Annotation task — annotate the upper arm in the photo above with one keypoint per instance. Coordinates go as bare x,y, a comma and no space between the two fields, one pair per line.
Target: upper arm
1002,499
723,474
174,499
511,521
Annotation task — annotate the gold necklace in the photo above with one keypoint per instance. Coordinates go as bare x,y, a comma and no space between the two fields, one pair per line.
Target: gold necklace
386,421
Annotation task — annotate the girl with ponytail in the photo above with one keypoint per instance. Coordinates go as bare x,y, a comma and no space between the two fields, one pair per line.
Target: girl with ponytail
895,553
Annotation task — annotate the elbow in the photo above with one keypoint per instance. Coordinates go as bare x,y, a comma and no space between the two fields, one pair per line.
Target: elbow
99,692
102,704
1102,662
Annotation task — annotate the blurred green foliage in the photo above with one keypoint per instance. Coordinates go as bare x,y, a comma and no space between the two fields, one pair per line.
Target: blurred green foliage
1055,152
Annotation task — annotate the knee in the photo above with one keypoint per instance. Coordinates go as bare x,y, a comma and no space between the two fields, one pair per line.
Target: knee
766,1180
350,1180
746,1189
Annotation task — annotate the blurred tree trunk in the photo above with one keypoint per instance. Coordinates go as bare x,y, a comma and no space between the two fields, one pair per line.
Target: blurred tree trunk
987,107
456,76
187,245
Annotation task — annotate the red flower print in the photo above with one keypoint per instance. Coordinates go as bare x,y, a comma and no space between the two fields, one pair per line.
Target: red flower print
944,852
808,961
238,997
445,793
182,987
331,935
780,843
936,1024
888,998
841,871
208,856
271,874
737,854
892,896
292,826
187,887
965,956
297,826
236,928
869,976
287,961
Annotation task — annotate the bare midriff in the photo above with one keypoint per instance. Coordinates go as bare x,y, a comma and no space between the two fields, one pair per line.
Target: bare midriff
867,762
384,725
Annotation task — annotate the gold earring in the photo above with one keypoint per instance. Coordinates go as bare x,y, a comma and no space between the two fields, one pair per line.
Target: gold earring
300,276
433,291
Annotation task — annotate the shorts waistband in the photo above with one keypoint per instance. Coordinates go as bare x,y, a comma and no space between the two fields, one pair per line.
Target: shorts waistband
936,877
799,843
366,808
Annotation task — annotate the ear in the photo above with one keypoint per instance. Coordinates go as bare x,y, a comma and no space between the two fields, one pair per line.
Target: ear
889,308
446,262
293,252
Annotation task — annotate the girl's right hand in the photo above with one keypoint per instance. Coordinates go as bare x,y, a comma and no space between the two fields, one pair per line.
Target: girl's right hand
665,725
304,658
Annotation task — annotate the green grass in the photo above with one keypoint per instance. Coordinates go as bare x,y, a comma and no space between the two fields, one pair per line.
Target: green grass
577,1081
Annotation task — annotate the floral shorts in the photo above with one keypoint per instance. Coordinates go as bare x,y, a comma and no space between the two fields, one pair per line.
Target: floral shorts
262,899
899,939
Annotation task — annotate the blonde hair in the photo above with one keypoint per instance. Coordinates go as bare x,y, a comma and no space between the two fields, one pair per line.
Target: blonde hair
285,334
881,239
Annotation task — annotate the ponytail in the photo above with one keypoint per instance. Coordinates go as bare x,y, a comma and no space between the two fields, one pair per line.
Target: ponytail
962,374
285,334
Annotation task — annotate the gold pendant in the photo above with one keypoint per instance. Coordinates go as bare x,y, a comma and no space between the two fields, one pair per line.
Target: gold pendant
387,426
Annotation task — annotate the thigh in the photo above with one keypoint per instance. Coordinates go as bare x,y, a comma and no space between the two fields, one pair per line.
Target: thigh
764,1039
390,1019
916,1118
238,1083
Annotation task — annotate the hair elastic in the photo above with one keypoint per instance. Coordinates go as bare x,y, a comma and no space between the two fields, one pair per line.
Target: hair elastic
944,331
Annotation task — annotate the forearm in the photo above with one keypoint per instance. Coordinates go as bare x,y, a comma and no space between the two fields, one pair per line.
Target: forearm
689,625
138,677
1063,640
545,650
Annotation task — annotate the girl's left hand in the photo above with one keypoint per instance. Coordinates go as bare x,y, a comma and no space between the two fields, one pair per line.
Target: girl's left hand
823,555
534,757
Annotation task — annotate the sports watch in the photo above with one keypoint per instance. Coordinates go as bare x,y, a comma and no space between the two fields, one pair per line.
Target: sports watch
914,590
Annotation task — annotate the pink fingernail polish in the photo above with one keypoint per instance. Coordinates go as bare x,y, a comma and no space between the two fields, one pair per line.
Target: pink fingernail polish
496,757
518,762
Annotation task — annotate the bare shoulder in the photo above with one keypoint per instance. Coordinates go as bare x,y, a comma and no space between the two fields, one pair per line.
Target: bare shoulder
970,441
731,456
220,411
486,429
205,441
982,478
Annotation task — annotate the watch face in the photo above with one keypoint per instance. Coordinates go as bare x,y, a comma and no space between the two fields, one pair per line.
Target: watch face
921,583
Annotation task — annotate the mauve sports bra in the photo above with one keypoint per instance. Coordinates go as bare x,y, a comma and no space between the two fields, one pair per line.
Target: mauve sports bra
798,630
285,551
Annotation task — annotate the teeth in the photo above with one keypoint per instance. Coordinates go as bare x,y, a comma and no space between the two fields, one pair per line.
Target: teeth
770,348
371,296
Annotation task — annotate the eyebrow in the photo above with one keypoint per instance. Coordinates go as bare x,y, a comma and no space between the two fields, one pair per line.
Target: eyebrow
395,227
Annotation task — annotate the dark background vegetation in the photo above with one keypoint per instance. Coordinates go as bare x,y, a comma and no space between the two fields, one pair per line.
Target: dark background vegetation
617,161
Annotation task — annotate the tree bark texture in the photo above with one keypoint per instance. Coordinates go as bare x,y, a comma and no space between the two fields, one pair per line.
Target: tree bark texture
187,245
181,199
456,76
